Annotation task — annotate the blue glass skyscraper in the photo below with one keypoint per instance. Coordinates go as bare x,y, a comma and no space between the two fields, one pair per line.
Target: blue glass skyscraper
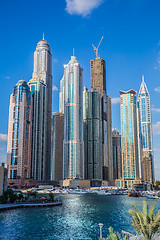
18,150
73,154
146,132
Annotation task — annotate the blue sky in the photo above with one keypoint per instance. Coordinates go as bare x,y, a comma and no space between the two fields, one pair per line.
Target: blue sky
131,47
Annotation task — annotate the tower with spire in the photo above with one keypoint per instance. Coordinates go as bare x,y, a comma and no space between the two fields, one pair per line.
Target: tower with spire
41,98
146,132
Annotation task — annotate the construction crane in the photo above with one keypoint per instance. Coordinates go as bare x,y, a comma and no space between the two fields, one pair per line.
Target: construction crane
96,49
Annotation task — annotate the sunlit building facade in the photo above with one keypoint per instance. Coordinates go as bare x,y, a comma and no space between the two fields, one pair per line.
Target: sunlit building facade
19,138
146,132
38,124
43,73
73,145
129,139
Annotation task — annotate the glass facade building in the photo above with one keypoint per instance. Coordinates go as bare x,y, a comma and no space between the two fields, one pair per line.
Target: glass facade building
43,73
18,151
129,139
38,124
92,124
146,131
73,145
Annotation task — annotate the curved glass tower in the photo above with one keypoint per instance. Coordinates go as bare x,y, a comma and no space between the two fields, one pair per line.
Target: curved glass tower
73,157
18,150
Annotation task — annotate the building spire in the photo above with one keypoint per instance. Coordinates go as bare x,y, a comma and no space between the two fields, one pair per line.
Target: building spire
73,51
143,78
43,36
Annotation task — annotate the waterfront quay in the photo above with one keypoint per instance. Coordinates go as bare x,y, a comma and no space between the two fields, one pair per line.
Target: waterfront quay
29,205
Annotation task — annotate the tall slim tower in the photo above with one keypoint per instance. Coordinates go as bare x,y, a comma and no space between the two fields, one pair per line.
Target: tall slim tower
92,123
146,132
98,82
129,139
39,124
43,70
18,148
73,155
117,163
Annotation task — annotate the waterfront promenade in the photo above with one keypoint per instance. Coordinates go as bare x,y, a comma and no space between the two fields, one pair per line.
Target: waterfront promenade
29,205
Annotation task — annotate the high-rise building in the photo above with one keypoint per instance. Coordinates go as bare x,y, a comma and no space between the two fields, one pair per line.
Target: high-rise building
146,132
43,70
57,136
73,145
98,75
19,138
98,82
3,178
117,162
109,139
61,96
38,124
92,124
129,138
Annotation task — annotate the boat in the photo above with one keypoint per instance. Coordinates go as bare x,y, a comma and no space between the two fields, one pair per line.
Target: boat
133,194
77,191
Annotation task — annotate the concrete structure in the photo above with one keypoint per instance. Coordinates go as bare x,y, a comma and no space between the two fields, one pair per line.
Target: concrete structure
19,137
129,138
92,124
73,145
98,75
3,178
146,132
57,137
39,160
43,70
117,161
98,82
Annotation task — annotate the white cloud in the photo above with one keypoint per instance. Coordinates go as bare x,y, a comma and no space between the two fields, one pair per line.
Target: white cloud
82,7
3,142
54,88
157,89
115,100
3,138
153,109
55,60
156,128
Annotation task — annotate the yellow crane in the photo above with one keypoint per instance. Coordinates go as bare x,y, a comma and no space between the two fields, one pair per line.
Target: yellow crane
96,49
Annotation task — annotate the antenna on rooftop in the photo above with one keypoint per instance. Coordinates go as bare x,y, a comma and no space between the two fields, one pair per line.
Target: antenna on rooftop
96,49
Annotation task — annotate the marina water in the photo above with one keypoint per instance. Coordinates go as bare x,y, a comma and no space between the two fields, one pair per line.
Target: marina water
77,218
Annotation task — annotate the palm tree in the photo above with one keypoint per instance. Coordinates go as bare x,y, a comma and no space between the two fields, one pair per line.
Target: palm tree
146,223
114,236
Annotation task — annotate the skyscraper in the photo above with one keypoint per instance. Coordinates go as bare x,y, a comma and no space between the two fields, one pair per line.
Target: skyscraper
129,139
43,70
57,146
61,96
18,149
73,145
39,125
146,132
117,162
98,82
92,123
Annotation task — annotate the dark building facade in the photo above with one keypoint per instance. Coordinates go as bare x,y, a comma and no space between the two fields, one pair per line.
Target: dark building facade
57,136
92,125
117,162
